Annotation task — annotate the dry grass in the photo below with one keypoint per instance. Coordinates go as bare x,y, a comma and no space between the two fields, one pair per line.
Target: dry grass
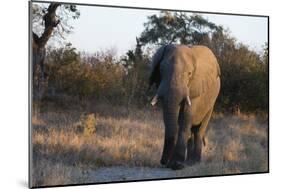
68,143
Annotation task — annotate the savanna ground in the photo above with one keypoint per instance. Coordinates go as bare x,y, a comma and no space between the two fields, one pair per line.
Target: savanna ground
103,143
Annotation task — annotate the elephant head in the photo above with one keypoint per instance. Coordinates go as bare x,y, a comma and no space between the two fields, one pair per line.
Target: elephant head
172,70
182,79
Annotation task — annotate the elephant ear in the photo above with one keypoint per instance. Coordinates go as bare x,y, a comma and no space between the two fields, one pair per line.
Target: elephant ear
201,82
196,83
197,87
155,76
204,74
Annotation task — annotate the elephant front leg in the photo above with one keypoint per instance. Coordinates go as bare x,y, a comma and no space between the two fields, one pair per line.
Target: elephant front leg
169,144
170,114
180,152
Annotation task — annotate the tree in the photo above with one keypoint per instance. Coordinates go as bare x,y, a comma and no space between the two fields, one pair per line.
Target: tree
136,65
177,27
45,21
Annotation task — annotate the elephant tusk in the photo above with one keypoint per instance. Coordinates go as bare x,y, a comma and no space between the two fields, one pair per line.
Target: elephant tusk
154,100
188,100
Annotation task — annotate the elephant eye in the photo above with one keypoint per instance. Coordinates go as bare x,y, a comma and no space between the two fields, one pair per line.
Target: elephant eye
189,73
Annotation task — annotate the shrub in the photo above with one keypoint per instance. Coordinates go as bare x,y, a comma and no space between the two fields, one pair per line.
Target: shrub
86,125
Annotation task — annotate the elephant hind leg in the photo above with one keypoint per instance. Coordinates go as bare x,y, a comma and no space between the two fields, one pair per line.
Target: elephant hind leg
205,122
193,145
199,139
190,149
197,146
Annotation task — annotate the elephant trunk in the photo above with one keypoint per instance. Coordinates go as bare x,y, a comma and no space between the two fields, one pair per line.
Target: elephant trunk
177,120
174,94
170,115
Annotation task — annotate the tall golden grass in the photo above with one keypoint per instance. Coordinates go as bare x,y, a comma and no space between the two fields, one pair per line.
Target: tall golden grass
66,144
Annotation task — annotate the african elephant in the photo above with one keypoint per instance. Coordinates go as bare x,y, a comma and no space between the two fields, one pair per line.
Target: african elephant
188,83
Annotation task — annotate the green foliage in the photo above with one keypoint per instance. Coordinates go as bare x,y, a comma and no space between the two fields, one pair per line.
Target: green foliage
177,27
244,80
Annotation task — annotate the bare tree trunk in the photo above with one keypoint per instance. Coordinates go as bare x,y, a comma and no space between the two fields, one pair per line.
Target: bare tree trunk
39,51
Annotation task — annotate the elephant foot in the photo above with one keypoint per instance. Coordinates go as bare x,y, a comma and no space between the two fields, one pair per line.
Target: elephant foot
176,165
164,161
197,158
193,160
190,162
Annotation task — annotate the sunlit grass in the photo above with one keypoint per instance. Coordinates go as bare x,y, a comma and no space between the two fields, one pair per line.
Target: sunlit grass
66,144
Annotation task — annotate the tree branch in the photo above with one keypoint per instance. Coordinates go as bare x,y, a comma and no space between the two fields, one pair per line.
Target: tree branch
50,23
35,38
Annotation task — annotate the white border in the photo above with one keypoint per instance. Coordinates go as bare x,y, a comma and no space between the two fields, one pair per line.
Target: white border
14,92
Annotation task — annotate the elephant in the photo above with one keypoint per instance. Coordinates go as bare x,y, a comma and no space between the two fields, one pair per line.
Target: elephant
188,83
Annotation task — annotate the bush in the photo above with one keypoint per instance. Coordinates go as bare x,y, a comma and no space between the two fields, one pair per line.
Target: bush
104,77
87,124
96,76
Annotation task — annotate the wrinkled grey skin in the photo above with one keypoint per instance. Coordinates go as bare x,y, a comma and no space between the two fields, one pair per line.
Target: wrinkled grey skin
188,83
